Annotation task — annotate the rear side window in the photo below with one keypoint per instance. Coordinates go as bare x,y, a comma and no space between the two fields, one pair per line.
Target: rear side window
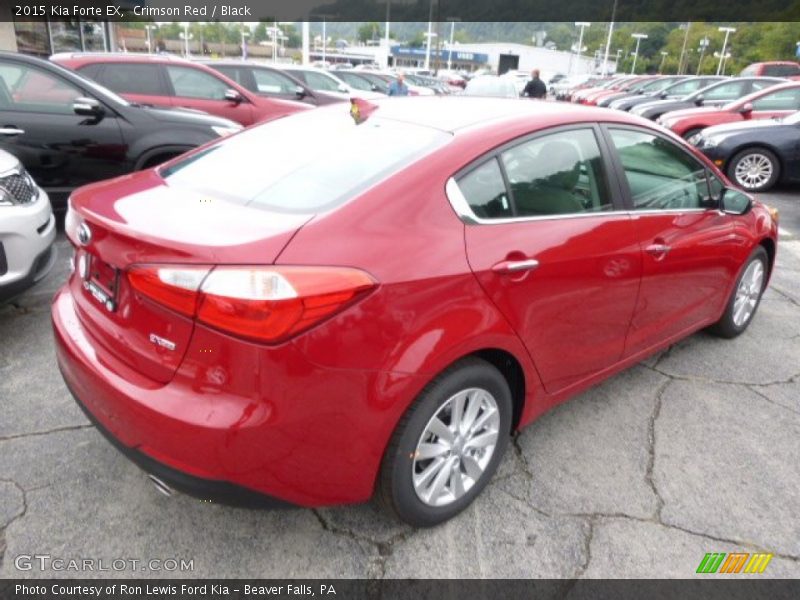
485,191
726,91
131,78
269,82
275,166
557,174
782,70
91,71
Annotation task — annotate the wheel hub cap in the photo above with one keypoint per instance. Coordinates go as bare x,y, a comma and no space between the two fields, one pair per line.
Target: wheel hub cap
753,171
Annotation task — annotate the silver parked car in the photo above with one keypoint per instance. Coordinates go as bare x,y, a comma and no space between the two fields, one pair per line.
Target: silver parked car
27,229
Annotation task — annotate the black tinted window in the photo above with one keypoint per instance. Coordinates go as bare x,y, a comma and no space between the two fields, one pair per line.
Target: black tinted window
782,70
661,176
557,174
485,191
132,79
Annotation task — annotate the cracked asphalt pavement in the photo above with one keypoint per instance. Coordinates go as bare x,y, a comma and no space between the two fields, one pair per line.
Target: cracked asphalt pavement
695,450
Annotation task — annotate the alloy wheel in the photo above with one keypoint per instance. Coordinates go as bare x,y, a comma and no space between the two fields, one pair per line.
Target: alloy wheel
455,447
748,293
754,170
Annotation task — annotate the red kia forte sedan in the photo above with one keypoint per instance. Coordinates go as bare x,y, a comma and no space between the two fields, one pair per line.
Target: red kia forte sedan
271,321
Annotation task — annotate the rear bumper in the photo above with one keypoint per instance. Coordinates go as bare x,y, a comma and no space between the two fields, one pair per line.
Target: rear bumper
263,421
211,490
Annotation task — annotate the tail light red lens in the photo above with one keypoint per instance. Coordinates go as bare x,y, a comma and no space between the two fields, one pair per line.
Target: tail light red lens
266,304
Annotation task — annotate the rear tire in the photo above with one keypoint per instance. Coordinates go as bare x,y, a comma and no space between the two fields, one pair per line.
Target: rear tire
745,297
460,423
755,169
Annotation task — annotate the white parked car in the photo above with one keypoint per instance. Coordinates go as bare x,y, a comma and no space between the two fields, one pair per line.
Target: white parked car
321,80
27,229
492,86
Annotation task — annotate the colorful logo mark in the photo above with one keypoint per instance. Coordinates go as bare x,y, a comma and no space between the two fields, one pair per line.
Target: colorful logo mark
735,562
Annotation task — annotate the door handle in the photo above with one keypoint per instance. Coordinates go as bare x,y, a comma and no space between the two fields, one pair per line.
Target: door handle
10,130
658,250
515,266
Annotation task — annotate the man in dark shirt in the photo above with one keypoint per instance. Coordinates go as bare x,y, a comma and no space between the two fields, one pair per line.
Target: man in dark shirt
535,88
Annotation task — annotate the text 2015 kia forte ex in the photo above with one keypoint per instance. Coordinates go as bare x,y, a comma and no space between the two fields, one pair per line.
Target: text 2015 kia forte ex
347,303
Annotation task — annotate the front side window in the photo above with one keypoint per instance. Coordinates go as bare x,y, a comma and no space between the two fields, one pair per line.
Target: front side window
193,83
269,82
556,174
28,89
660,175
132,78
318,81
780,100
726,91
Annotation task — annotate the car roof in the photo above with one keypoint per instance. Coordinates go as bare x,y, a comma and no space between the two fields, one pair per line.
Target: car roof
454,113
83,57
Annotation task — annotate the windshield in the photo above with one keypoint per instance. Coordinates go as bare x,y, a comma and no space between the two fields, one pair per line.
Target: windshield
304,163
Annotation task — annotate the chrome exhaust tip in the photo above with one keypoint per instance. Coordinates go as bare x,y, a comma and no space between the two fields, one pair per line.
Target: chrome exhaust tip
160,485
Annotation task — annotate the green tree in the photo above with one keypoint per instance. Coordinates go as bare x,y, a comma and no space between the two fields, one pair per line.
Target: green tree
369,31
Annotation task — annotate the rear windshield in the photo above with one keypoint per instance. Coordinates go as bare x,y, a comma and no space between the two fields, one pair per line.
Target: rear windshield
305,163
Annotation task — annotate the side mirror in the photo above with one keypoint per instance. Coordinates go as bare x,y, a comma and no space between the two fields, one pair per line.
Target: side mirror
735,202
300,91
699,100
87,107
746,109
233,96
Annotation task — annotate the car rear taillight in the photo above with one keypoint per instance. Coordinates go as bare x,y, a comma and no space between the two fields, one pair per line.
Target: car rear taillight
266,304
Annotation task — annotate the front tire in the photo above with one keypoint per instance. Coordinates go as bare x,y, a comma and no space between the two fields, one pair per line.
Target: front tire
745,297
448,445
755,169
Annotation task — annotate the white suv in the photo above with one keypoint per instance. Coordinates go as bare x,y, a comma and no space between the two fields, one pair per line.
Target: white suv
27,229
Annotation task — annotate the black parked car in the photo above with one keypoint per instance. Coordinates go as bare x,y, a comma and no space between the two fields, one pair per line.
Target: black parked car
716,94
673,91
68,131
755,154
269,81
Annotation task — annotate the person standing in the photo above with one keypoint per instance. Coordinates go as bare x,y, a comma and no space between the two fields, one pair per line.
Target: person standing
535,88
398,86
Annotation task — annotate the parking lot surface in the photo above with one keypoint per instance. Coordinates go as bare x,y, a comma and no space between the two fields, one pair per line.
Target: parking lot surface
695,450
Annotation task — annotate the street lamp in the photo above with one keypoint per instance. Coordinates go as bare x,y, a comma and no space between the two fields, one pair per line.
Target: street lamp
452,39
150,28
728,31
723,58
663,58
583,25
639,37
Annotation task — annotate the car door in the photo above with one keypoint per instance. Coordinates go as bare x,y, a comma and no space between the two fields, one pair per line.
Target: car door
199,90
687,244
60,149
551,249
776,104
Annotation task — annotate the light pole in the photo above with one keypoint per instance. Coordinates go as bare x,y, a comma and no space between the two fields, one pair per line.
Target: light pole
723,58
324,43
452,39
608,41
639,37
704,43
663,58
186,36
245,35
688,26
388,47
150,28
583,25
728,31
